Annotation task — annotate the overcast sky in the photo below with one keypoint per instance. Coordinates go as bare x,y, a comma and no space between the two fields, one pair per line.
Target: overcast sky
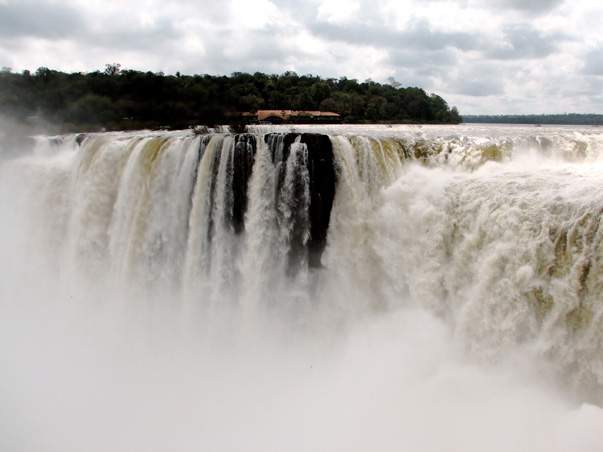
497,56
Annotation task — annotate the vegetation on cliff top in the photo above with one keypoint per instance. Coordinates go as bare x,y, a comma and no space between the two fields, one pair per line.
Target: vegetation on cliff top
127,99
561,119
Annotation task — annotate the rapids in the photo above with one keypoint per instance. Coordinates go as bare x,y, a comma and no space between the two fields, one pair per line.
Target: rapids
304,288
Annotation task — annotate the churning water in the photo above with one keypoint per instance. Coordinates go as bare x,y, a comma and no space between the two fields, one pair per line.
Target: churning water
308,288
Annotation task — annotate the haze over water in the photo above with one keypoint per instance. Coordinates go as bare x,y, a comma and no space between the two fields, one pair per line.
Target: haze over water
148,302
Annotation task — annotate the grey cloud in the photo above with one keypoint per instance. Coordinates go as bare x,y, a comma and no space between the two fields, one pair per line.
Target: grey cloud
531,6
421,68
418,36
307,11
593,64
38,19
4,58
523,42
478,80
410,77
303,10
433,59
52,21
129,37
594,85
478,87
268,53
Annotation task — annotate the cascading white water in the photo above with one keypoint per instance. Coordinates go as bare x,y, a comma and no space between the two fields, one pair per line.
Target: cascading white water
458,258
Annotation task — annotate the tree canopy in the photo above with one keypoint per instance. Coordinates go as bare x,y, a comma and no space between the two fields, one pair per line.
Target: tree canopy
115,98
561,119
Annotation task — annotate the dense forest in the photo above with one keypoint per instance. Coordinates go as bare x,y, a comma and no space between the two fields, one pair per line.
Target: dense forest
126,99
565,119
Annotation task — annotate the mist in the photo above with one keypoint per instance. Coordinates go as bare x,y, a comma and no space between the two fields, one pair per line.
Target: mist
17,134
101,350
80,377
12,133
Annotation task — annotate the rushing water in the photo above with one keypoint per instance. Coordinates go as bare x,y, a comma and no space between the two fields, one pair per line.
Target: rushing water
304,288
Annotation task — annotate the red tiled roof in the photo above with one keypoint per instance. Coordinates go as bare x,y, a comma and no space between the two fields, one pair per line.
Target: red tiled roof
286,114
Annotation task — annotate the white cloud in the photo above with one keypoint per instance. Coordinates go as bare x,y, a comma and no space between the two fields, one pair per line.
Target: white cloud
336,11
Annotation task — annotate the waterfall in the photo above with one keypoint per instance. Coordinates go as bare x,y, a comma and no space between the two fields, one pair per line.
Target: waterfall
495,232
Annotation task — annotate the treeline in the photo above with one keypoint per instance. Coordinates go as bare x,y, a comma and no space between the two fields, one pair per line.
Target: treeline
564,119
126,99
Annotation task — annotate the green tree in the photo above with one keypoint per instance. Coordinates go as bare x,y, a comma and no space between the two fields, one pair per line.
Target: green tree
121,98
112,69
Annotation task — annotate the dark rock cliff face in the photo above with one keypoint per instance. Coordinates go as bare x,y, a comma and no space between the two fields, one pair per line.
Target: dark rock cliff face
322,182
80,137
242,166
322,191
